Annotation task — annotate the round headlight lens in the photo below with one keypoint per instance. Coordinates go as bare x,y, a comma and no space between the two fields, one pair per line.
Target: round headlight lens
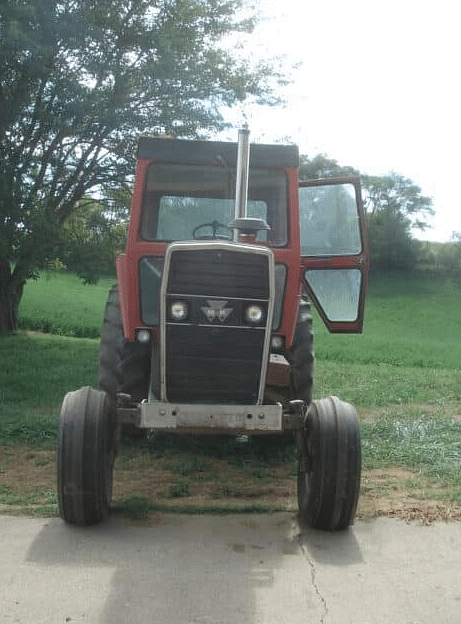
143,336
254,314
277,343
179,310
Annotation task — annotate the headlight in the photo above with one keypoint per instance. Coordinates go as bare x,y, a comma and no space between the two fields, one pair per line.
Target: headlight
277,343
179,310
254,314
143,336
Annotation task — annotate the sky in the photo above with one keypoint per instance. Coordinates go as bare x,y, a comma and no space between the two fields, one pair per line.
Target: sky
378,89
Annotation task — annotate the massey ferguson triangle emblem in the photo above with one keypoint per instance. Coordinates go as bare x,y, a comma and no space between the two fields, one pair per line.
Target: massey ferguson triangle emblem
216,310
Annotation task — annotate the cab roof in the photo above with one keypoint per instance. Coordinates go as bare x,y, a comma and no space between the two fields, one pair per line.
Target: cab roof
215,153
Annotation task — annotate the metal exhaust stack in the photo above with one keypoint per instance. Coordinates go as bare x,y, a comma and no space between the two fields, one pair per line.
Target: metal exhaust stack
243,165
245,228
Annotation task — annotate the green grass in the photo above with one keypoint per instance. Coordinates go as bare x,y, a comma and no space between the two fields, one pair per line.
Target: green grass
190,455
403,373
9,497
414,439
60,303
36,372
427,443
410,321
138,508
378,385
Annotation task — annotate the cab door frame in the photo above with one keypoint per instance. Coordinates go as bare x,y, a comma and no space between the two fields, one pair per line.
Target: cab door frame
341,306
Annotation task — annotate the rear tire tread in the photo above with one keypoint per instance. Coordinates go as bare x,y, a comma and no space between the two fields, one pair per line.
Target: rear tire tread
123,366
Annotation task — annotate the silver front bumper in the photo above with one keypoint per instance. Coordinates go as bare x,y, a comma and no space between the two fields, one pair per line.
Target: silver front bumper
246,418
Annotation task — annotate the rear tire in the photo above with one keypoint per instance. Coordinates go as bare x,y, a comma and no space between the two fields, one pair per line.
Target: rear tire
86,453
123,366
135,370
301,356
301,359
111,347
329,465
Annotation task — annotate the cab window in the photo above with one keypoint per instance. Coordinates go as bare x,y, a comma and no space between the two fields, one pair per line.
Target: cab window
183,202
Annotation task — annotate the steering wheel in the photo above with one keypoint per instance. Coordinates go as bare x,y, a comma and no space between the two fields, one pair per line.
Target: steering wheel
215,226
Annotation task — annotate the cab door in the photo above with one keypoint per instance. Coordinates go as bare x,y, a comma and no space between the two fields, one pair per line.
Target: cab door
334,250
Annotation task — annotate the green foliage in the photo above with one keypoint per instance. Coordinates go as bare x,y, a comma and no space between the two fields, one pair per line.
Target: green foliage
394,206
322,167
397,195
391,243
135,507
79,82
179,489
93,237
446,258
138,508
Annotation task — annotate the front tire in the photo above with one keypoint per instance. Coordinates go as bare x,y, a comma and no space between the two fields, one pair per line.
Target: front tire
329,465
86,454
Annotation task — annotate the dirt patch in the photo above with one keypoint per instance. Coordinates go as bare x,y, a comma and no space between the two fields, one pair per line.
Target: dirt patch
212,483
25,472
401,493
28,485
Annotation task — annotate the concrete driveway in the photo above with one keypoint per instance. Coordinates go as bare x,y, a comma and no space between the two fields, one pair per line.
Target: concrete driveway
237,569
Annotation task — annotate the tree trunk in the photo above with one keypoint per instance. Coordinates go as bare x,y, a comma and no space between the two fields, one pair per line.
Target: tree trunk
11,289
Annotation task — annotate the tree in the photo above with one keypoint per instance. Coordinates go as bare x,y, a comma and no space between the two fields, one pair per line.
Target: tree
396,194
91,238
391,243
79,81
394,206
322,167
448,257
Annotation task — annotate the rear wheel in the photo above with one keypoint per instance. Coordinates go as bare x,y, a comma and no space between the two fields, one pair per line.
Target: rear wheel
123,366
86,453
302,356
329,465
111,347
301,359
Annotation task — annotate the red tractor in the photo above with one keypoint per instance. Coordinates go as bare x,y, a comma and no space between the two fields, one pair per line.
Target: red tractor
209,329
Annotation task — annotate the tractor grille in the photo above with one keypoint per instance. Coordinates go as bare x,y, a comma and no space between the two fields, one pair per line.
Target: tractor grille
215,355
219,273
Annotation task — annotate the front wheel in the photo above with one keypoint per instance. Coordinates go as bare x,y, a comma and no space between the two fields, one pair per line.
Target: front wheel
329,465
86,454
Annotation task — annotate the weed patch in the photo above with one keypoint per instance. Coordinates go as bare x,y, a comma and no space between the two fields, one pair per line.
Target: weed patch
428,444
179,489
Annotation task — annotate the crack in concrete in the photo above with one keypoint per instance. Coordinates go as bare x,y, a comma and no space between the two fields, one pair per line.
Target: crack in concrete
314,582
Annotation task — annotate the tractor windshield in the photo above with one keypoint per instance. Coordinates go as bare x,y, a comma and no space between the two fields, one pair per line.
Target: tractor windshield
183,202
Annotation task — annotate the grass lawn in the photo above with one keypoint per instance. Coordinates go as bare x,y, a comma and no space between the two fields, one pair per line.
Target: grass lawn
403,374
60,303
